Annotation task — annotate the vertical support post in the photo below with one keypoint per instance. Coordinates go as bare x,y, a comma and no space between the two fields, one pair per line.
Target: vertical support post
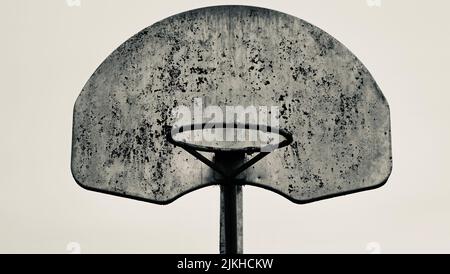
231,219
231,212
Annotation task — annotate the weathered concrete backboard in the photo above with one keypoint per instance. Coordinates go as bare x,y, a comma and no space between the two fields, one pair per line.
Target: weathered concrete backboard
232,55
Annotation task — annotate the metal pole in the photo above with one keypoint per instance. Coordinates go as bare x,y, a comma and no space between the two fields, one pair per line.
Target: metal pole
231,219
231,240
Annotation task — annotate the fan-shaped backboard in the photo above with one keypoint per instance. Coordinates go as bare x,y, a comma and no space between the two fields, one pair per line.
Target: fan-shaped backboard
232,55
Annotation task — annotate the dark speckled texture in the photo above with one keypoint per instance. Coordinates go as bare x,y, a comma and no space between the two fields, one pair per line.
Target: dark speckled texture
232,55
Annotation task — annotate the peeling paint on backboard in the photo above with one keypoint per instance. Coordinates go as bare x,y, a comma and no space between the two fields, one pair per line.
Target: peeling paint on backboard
232,55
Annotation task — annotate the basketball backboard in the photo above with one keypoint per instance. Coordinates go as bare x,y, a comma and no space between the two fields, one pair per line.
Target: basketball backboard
231,56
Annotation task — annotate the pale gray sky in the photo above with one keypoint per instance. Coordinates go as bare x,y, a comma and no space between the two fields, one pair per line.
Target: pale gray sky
50,49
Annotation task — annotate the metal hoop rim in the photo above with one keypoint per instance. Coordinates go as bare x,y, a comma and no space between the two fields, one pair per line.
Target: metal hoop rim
288,139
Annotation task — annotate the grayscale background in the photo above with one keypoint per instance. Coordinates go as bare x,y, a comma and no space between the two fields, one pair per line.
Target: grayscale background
48,51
